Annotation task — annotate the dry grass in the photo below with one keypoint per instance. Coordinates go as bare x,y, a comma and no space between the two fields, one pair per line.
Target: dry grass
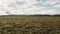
29,24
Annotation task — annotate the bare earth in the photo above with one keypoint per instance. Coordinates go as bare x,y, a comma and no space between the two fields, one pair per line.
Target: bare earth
29,24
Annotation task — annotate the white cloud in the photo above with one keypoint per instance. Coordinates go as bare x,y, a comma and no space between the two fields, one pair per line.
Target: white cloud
3,13
30,7
57,5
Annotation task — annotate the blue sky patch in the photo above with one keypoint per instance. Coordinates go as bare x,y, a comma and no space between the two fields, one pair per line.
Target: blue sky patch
19,3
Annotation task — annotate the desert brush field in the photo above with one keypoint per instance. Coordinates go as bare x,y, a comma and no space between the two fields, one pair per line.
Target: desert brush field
29,24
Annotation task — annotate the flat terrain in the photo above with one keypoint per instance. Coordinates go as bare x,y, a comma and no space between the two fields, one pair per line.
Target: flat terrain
29,24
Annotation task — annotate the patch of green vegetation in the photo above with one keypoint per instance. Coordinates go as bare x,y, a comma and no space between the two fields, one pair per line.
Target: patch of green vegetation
29,24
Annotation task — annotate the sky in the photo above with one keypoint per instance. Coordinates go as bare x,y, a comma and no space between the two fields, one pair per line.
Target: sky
29,7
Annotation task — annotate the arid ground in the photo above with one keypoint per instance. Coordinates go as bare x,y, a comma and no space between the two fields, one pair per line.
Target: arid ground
29,24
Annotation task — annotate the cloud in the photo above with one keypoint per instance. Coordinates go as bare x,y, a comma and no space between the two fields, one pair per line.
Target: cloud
30,7
3,13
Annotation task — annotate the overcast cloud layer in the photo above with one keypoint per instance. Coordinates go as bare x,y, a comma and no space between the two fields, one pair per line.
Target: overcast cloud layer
29,7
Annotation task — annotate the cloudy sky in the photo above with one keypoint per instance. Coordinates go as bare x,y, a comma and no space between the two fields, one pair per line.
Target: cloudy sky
29,7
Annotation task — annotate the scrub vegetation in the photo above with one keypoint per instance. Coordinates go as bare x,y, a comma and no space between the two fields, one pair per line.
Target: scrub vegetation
29,24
